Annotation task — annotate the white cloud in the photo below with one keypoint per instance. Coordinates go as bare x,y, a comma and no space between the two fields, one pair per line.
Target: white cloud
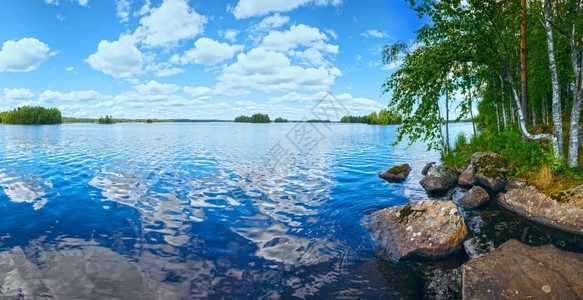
53,2
18,94
122,10
301,36
332,33
120,58
254,8
354,105
170,23
358,57
271,71
208,52
69,69
199,92
156,88
274,21
392,66
50,96
56,2
24,55
229,34
82,2
374,33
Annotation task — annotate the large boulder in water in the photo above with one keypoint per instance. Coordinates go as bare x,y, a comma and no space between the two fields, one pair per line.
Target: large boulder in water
396,174
564,212
474,198
427,167
439,179
429,228
518,271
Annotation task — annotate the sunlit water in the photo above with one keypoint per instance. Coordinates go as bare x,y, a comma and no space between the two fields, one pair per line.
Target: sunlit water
217,210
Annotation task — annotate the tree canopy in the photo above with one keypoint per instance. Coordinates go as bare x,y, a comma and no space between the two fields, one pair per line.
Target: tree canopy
29,115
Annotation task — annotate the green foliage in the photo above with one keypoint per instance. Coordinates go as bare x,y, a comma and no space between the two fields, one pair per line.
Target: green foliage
28,115
106,120
383,117
280,120
256,118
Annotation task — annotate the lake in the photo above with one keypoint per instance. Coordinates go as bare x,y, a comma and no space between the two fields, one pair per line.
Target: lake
199,210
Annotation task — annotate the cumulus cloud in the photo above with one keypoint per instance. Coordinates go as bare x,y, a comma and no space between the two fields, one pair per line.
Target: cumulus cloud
354,105
274,21
56,2
155,88
253,8
208,52
374,33
199,92
301,36
50,96
20,94
120,58
24,55
271,71
170,23
122,10
229,34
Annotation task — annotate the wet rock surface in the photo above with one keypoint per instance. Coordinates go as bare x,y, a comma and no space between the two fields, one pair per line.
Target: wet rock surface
475,197
439,179
396,173
424,228
518,271
468,177
539,207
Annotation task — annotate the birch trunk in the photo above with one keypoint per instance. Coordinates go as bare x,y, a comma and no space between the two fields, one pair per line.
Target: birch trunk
556,100
447,119
497,116
503,102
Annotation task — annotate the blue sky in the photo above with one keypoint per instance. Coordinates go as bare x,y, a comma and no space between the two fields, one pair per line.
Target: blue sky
197,59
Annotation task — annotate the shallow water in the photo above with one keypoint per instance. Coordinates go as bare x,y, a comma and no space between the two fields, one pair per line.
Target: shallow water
196,210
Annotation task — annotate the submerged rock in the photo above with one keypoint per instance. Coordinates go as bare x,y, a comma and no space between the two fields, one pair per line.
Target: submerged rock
427,167
475,197
518,271
439,179
468,177
539,207
396,173
424,228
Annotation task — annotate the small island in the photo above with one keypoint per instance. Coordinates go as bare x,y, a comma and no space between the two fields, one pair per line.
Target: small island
256,118
29,115
383,117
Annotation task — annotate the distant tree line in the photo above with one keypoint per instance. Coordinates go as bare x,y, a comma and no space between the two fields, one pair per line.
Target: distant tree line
256,118
106,120
280,120
28,115
383,117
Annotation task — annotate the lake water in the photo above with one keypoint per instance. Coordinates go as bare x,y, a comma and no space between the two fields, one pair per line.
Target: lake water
212,210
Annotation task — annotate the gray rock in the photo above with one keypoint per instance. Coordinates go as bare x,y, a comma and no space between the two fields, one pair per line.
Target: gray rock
492,180
439,179
396,173
474,198
468,177
518,271
483,160
564,214
515,183
422,228
427,167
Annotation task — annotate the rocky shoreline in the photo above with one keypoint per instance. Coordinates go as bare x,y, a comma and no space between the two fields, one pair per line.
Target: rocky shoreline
412,230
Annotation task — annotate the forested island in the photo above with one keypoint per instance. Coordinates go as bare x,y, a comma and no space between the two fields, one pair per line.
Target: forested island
255,118
383,117
29,115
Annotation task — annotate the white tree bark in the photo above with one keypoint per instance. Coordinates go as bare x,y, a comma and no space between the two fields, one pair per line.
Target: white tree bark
556,100
522,121
503,102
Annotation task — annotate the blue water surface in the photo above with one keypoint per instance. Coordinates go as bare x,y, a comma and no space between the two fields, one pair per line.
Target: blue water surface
199,210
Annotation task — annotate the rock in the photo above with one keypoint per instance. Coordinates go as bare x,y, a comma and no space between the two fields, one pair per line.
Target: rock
515,183
475,197
468,177
439,179
539,207
484,160
396,173
518,271
427,167
491,179
424,228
